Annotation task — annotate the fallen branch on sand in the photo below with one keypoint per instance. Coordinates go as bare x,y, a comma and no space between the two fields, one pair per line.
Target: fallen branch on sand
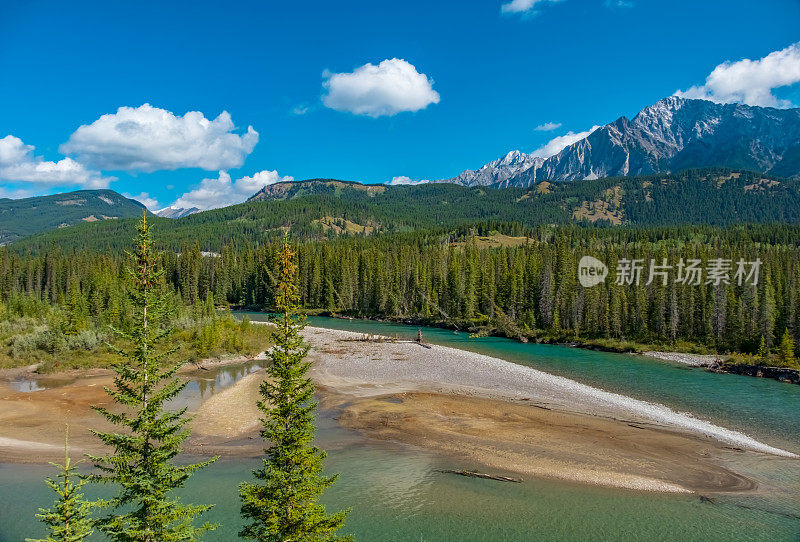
473,474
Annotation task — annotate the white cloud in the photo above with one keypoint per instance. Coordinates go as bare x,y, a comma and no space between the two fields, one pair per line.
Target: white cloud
555,145
223,191
523,6
619,4
145,199
18,164
148,139
751,81
548,126
391,87
251,185
403,180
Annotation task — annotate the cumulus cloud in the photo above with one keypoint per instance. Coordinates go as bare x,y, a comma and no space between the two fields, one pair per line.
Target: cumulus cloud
391,87
223,191
548,126
18,164
148,138
403,180
555,145
145,199
523,6
751,82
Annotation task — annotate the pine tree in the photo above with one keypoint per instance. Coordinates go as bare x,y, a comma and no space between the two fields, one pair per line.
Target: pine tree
68,520
281,506
141,463
786,351
763,352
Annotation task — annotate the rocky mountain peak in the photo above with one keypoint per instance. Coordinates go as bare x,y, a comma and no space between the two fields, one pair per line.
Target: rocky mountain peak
672,134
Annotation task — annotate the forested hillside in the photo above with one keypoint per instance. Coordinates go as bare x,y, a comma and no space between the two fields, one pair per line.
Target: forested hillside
23,217
329,209
520,282
333,187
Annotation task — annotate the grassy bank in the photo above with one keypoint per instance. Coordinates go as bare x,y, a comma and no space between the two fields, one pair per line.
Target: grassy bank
44,341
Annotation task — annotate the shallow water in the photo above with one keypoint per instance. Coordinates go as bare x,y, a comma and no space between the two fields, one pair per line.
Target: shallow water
398,493
39,383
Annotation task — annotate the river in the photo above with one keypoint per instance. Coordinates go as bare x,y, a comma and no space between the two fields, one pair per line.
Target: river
398,493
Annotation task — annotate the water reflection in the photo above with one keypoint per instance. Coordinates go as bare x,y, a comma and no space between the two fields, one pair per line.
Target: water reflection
39,383
27,385
202,383
205,383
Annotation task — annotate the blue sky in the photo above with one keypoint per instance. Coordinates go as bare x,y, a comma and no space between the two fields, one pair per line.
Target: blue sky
475,82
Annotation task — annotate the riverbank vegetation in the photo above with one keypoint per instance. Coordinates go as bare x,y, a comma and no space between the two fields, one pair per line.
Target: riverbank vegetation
61,337
784,357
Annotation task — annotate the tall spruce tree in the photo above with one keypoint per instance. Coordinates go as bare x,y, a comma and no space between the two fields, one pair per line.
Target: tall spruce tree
281,506
68,520
142,462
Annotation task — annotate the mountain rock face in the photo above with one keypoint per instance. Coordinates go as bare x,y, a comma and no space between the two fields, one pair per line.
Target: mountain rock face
176,212
671,135
24,217
497,171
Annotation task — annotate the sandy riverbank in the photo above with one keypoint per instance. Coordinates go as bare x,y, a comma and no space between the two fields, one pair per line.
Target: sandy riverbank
482,412
32,423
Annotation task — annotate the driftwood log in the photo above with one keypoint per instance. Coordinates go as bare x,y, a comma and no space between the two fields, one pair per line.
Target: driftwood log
473,474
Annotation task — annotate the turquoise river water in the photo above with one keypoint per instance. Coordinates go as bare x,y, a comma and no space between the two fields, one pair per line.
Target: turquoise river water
397,493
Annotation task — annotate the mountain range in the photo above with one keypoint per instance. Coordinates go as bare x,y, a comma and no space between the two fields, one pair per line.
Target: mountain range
327,208
672,134
497,171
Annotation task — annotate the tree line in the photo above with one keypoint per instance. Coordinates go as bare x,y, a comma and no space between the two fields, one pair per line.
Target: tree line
493,277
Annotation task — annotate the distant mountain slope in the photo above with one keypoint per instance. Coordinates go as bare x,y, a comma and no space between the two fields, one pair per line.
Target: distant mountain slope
24,217
333,187
319,209
498,170
176,212
671,135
